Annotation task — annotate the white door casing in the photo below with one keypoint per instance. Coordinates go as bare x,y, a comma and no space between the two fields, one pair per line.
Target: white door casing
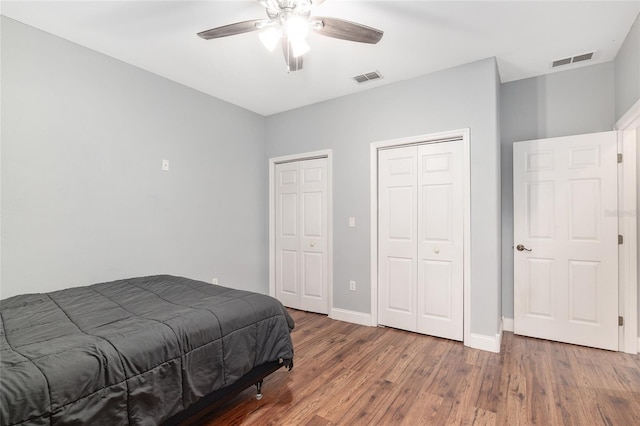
301,234
420,238
566,286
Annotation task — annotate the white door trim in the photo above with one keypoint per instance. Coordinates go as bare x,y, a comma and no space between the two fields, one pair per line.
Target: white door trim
328,154
627,128
462,134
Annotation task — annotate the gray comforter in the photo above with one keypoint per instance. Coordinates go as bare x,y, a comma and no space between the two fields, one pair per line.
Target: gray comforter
134,351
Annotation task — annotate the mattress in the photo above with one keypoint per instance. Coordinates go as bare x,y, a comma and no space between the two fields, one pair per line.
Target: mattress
131,352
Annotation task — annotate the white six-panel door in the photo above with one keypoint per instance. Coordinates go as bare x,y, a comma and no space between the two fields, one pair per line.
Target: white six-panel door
398,237
301,270
420,238
566,239
440,242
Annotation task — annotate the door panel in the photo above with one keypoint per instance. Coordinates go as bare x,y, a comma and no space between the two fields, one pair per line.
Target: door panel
420,238
312,214
301,235
540,281
313,276
566,287
583,291
437,276
289,215
289,268
313,241
400,292
540,198
441,244
287,238
397,252
584,209
436,218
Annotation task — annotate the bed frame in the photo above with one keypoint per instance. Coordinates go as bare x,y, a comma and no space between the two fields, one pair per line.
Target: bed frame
216,399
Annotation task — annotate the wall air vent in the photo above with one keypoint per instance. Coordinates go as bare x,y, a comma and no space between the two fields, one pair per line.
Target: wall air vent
572,59
375,75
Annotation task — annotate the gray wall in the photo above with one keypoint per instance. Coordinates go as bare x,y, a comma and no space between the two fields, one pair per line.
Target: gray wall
627,68
461,97
83,196
565,103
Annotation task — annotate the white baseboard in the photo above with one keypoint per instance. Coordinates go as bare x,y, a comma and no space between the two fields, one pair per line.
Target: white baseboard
351,316
486,343
507,324
476,341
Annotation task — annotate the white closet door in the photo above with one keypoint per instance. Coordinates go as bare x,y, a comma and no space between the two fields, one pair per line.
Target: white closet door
301,235
397,249
566,238
313,235
440,243
420,238
287,234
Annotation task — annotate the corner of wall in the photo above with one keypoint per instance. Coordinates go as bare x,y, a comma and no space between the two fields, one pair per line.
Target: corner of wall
485,343
351,316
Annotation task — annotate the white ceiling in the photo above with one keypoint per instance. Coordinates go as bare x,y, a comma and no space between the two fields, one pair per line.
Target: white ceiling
420,37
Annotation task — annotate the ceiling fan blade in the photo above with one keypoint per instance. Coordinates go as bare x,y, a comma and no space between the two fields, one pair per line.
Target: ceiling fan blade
293,63
232,29
346,30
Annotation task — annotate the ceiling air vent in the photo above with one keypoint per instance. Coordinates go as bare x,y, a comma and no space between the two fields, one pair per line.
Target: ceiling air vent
572,60
367,77
560,62
585,57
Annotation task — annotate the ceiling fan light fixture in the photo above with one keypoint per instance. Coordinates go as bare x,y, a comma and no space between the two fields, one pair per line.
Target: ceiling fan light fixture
270,38
299,47
289,22
296,27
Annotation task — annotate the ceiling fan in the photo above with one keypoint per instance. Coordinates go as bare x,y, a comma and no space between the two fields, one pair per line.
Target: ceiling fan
289,22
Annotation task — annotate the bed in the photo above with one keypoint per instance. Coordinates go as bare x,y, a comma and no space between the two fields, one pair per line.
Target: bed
140,351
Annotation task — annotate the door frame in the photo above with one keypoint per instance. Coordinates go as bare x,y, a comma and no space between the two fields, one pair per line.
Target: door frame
628,126
461,135
328,154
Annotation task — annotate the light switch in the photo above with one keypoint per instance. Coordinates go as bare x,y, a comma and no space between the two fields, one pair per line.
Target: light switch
352,222
165,165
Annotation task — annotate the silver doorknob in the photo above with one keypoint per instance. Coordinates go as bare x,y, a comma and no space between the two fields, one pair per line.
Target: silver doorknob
520,247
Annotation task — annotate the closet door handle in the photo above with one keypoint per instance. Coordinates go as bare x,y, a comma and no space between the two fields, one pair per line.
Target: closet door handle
520,247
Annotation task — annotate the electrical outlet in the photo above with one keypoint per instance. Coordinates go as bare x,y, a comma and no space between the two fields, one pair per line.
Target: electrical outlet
214,281
352,285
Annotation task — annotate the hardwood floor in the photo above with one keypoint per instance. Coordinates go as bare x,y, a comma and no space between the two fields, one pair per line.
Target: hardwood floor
346,374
